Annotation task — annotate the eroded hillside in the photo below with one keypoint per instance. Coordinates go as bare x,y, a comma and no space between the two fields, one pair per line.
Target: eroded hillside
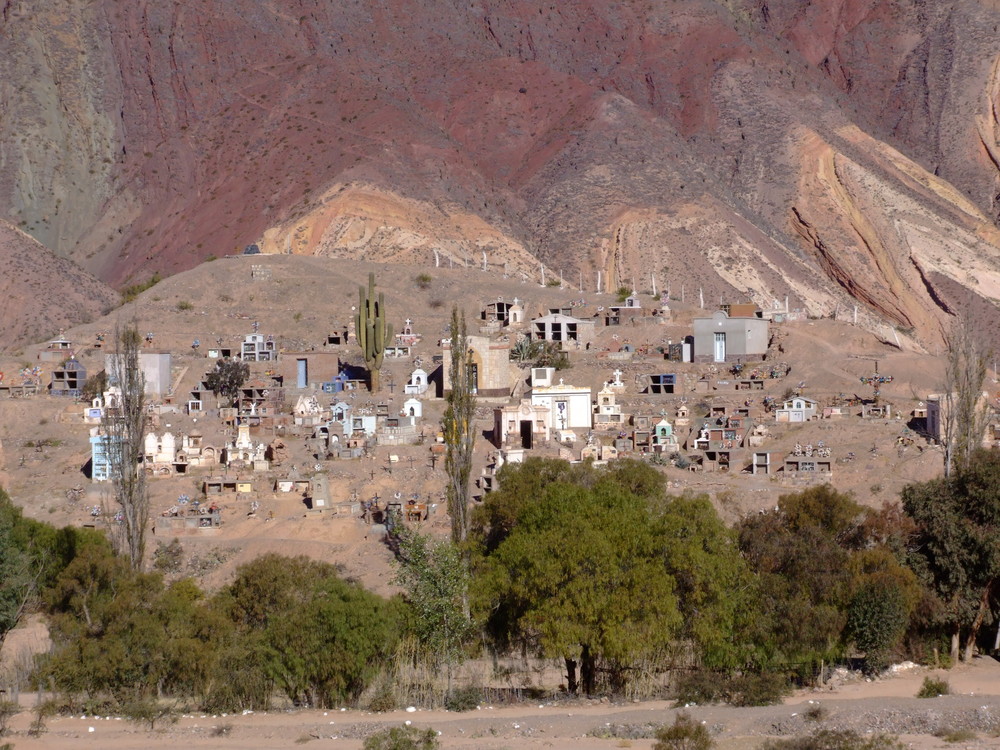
834,153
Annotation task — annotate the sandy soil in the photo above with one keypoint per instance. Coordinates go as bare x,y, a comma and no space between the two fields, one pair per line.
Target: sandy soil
827,357
886,704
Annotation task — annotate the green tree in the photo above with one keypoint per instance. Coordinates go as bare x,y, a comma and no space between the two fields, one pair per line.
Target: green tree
800,553
32,554
581,576
435,576
122,635
715,588
227,378
458,425
519,485
955,549
324,651
317,637
965,410
18,572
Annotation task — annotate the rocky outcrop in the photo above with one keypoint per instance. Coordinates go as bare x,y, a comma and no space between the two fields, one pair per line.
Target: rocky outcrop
41,293
364,223
831,152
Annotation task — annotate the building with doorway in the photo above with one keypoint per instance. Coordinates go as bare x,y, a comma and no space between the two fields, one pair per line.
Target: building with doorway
797,409
523,425
490,371
569,406
721,338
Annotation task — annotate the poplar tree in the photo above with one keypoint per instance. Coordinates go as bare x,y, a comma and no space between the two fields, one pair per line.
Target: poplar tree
459,430
124,432
966,412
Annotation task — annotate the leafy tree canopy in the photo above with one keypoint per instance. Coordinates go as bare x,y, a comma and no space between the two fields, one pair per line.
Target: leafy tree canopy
228,377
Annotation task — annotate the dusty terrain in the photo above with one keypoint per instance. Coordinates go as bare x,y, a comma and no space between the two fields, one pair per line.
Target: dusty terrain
45,439
885,705
41,293
45,447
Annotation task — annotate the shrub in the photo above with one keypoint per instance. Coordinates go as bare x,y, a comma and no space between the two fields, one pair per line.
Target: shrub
402,738
7,710
149,711
933,687
423,280
168,558
835,739
684,734
463,699
184,305
815,712
132,291
384,699
748,689
956,735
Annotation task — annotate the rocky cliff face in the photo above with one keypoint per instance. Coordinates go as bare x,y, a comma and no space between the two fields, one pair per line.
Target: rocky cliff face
833,152
41,293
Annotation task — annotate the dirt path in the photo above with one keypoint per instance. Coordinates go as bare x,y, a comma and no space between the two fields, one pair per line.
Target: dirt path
882,705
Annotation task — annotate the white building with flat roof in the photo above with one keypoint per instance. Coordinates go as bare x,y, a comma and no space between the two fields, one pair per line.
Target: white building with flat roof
569,406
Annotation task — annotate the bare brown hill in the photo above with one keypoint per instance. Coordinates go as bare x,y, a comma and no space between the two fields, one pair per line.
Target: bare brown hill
832,152
41,293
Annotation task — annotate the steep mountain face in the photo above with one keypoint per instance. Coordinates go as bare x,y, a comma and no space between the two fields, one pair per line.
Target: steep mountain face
41,293
837,152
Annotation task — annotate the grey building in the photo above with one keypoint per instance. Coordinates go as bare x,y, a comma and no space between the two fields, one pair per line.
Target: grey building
721,338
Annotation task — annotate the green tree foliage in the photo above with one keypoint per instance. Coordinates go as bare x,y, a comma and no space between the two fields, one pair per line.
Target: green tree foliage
32,554
19,572
435,576
800,553
519,485
122,636
955,549
827,580
580,575
884,595
321,638
227,378
716,590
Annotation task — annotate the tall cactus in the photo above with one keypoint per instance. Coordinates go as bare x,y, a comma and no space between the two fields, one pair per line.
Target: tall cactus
372,331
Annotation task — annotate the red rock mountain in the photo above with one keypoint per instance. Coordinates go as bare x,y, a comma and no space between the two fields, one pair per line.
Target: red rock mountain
838,152
41,293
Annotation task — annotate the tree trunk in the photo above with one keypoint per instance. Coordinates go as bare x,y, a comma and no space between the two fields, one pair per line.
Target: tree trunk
954,645
571,685
375,379
984,608
588,671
